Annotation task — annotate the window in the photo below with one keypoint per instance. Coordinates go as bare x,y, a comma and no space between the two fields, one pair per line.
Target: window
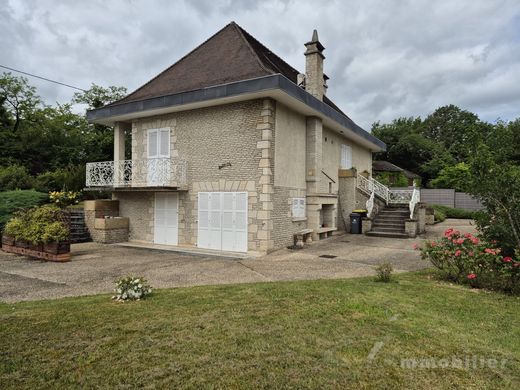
346,157
158,143
298,208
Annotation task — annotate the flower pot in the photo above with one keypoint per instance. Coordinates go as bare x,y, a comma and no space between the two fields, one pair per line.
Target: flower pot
56,248
21,243
7,240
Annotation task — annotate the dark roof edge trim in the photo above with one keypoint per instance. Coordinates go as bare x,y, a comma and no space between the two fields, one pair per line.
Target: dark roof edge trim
276,81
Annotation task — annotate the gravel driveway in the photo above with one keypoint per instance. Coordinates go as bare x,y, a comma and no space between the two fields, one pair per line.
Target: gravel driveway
94,267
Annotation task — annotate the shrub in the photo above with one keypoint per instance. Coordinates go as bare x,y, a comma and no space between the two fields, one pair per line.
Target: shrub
71,178
464,258
131,288
451,212
384,272
439,215
10,201
38,225
63,199
15,177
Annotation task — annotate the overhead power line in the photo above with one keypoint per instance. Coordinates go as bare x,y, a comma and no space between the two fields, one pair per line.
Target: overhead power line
43,78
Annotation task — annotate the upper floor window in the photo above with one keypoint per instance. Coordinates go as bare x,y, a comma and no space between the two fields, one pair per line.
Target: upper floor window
158,143
346,157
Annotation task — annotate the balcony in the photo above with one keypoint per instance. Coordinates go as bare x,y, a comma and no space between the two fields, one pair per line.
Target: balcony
166,173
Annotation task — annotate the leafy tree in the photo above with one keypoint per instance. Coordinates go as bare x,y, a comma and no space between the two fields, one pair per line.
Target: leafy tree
495,180
18,97
98,96
457,131
455,176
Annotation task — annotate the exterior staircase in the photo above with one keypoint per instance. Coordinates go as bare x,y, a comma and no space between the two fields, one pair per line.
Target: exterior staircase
78,229
389,222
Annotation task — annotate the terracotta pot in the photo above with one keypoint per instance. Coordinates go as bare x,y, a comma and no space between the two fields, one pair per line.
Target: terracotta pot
21,244
7,240
57,248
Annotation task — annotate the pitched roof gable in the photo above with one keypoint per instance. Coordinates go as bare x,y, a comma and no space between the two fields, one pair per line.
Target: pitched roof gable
230,55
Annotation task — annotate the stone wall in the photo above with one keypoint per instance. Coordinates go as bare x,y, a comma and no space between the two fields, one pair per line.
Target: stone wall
228,148
99,209
138,206
285,226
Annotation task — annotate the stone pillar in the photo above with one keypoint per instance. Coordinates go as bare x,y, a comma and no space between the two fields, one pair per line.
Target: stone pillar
314,80
266,180
119,151
347,200
410,227
313,154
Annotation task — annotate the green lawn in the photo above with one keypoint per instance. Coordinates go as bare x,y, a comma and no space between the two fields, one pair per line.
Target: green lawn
271,335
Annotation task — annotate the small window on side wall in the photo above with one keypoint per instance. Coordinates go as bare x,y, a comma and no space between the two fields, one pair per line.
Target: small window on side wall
298,208
346,157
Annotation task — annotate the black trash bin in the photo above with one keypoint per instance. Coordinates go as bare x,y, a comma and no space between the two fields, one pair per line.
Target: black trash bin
355,223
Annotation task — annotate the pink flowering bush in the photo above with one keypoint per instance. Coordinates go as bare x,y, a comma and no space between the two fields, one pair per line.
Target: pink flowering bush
465,258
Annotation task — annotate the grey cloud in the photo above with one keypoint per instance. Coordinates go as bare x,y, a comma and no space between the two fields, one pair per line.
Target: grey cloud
385,59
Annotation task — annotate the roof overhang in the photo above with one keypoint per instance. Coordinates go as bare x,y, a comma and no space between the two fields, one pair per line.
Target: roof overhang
276,86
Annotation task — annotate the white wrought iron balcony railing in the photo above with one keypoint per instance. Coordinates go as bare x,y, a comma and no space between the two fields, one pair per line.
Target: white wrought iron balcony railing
152,172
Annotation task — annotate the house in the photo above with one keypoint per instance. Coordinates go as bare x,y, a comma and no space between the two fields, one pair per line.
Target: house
232,150
396,176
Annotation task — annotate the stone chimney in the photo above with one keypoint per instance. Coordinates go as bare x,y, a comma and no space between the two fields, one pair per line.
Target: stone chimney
314,80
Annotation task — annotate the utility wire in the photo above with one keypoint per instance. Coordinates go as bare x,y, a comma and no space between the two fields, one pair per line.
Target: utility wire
43,78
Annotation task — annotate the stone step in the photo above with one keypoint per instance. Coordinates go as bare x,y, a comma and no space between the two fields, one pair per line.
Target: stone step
387,234
389,212
391,225
389,229
389,220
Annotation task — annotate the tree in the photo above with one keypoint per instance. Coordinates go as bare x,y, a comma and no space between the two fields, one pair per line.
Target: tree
18,97
101,139
458,131
495,180
98,96
455,176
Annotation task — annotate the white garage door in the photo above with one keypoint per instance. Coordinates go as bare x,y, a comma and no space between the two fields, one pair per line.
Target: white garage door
166,218
223,221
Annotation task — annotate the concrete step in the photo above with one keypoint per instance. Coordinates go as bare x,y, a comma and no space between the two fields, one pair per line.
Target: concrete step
389,229
391,225
392,213
389,220
387,234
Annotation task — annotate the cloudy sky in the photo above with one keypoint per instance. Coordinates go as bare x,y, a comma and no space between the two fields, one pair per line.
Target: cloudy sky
385,58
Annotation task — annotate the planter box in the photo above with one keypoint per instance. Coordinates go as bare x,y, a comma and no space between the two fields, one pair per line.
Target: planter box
36,247
56,248
7,240
21,244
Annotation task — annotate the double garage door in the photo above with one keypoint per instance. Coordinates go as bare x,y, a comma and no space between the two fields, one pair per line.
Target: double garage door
222,221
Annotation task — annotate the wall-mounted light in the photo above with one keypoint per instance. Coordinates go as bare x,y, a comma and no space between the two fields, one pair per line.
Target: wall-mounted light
228,164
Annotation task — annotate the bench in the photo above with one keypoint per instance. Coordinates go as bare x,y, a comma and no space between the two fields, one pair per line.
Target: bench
325,232
303,237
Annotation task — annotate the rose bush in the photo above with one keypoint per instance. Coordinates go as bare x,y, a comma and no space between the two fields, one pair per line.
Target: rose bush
466,258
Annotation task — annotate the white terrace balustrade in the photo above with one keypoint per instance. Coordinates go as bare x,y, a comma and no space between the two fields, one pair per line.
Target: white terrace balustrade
374,188
152,172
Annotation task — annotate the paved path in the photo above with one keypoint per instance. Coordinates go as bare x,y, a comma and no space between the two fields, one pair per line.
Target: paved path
94,267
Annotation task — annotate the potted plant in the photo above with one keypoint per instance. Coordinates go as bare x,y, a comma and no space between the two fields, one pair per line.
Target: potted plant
56,238
13,232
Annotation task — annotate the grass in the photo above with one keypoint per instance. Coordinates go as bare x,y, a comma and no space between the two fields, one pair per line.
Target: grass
307,334
13,200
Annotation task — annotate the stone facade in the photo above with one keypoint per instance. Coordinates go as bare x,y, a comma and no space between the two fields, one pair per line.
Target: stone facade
234,148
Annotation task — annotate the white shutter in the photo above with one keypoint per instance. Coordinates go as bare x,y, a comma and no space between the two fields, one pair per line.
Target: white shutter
152,143
164,142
